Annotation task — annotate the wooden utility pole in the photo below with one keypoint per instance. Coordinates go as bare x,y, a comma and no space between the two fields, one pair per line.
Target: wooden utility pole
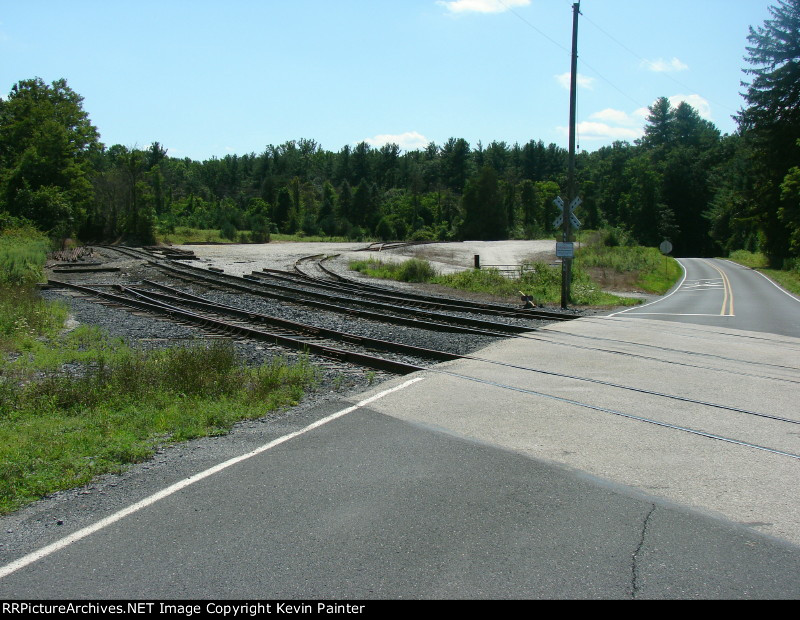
572,193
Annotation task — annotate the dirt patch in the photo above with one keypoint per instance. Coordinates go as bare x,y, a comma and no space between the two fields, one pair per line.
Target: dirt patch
612,280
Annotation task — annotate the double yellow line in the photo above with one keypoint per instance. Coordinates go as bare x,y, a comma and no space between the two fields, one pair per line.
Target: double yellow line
727,299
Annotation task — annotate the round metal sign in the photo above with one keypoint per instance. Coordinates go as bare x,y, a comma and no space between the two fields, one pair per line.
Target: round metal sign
665,247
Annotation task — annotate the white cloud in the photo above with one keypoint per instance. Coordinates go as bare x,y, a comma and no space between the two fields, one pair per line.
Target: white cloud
589,130
618,117
408,141
481,6
700,104
583,81
665,66
610,125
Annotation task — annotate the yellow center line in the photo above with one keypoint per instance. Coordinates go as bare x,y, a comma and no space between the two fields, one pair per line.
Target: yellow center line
727,300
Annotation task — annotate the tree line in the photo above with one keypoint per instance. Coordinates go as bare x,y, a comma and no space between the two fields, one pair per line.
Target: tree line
683,181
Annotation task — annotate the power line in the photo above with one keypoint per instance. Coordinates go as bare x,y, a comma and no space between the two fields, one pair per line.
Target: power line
557,44
645,61
542,33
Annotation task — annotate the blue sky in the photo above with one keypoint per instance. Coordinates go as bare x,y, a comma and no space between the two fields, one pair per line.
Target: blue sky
210,78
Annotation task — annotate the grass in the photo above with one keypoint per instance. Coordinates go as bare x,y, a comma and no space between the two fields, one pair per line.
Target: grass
754,260
787,278
412,270
643,268
601,263
540,281
77,404
22,256
58,430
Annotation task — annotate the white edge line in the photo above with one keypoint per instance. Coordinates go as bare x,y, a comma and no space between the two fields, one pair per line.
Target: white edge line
767,278
674,290
91,529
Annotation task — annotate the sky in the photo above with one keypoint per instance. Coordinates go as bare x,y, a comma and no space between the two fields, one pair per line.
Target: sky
209,78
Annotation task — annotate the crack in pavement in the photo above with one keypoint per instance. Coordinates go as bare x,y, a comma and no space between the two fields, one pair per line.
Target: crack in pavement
634,558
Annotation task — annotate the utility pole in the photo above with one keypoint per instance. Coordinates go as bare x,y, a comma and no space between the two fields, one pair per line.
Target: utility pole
572,193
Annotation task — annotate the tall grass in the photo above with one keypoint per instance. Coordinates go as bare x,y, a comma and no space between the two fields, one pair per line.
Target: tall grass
646,268
59,429
412,270
539,280
24,317
754,260
788,277
22,256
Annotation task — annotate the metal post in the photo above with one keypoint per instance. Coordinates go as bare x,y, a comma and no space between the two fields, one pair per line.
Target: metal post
566,263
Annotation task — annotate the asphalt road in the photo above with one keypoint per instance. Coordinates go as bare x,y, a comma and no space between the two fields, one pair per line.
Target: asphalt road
493,478
726,294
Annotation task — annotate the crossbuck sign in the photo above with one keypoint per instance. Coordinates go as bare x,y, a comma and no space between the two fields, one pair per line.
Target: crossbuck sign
576,223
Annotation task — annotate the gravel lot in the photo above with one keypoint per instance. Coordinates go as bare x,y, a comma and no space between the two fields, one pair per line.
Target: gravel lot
445,257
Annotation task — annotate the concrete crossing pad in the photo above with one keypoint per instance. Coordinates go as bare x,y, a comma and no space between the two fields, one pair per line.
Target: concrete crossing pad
726,443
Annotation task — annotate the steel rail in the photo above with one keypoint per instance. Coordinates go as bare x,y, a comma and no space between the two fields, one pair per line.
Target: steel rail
393,296
488,325
456,324
629,416
430,303
360,359
435,318
440,355
365,341
549,314
455,304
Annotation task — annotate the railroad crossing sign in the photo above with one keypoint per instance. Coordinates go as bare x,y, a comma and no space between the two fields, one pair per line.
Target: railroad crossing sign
574,221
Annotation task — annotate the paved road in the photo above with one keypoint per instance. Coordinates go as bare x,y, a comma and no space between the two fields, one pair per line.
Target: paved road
723,293
587,460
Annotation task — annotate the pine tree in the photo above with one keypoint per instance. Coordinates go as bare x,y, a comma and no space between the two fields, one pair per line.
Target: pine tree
771,122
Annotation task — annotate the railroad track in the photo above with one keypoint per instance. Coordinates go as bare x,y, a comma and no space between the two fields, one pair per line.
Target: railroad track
353,304
191,308
277,331
334,281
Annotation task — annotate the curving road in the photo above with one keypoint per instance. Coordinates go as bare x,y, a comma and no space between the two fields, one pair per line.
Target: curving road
726,294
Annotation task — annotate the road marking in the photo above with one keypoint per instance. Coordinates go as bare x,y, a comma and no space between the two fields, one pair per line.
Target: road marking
675,290
727,298
771,281
148,501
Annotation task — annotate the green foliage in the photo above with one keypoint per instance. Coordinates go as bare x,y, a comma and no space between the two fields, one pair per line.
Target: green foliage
60,430
46,144
25,318
485,217
682,181
788,277
228,231
22,255
643,268
754,260
770,125
539,280
412,270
